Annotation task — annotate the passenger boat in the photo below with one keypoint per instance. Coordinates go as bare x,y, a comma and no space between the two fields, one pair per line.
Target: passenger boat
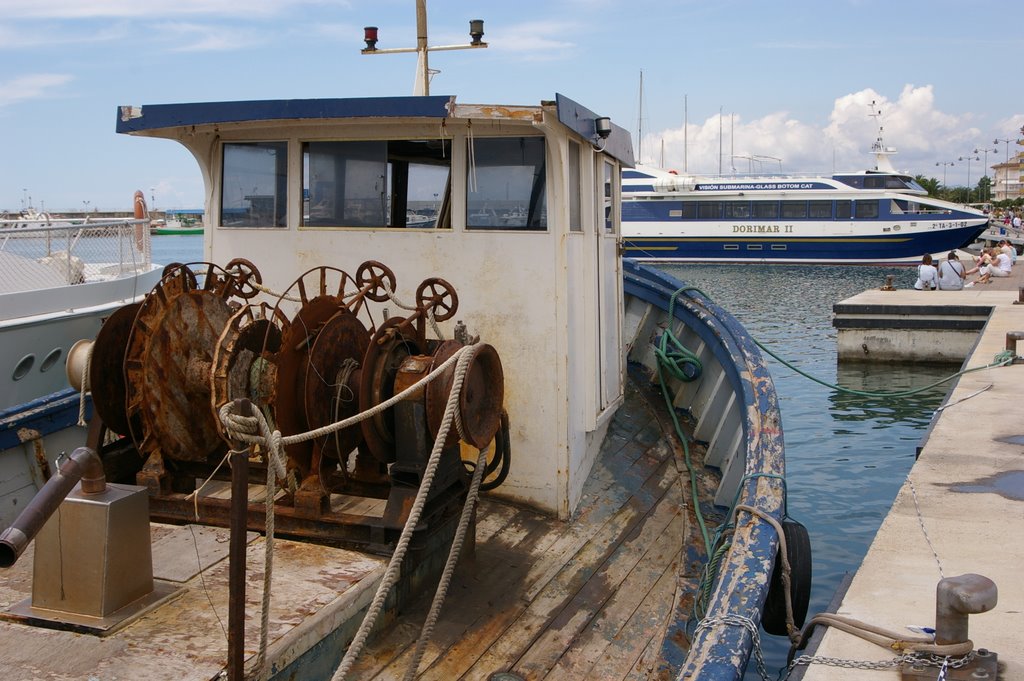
878,216
567,365
58,281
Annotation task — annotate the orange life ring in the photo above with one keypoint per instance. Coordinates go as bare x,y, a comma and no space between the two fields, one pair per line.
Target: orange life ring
140,214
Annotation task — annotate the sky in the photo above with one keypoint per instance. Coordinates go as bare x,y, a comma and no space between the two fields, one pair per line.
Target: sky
758,86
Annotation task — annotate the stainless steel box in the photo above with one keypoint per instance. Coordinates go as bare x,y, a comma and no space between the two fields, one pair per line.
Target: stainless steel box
93,556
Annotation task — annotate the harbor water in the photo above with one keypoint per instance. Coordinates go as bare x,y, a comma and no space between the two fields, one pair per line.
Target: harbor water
846,455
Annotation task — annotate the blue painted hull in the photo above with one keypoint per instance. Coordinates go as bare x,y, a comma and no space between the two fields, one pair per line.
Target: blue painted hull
893,247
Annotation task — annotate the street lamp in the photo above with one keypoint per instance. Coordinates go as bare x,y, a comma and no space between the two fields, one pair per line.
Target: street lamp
985,152
944,164
1006,168
969,159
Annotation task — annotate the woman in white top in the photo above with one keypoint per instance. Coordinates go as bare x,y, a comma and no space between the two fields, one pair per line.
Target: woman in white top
927,275
952,273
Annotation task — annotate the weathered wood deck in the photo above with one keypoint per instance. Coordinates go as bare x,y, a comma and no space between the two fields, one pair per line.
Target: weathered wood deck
588,598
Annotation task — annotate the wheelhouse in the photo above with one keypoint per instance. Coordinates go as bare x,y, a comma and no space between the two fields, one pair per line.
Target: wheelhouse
517,206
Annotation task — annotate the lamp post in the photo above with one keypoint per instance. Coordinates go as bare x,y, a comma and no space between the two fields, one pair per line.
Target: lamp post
985,151
944,164
1006,168
968,158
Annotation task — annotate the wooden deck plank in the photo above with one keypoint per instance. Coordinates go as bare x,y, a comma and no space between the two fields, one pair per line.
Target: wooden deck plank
609,587
494,570
646,667
578,659
513,630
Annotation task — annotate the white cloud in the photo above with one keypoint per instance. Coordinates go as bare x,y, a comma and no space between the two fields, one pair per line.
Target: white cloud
922,133
32,86
187,37
534,41
79,9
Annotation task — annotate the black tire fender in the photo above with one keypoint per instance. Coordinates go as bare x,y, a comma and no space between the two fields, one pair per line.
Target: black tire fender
798,551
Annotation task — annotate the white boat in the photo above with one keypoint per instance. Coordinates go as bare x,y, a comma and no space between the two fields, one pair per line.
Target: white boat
877,216
30,218
58,282
587,531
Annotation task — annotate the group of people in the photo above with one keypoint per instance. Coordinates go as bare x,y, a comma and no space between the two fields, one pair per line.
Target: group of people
951,274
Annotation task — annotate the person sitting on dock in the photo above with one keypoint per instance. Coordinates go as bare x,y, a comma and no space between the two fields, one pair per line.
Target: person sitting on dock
927,275
952,273
999,266
1009,250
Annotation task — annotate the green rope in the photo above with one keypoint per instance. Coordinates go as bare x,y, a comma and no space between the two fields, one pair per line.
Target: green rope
683,365
1002,359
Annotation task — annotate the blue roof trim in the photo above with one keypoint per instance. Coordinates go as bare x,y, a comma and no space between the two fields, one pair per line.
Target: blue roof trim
160,116
579,118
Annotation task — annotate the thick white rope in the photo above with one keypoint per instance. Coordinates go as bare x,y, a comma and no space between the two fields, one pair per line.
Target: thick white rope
256,430
466,355
84,390
244,428
449,567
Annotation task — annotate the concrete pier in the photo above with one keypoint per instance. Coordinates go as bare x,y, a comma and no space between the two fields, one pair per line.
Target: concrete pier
960,511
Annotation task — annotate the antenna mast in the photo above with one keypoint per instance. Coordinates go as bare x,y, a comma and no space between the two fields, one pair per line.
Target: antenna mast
421,85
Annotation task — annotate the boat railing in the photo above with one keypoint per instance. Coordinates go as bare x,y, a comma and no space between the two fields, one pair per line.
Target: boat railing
51,254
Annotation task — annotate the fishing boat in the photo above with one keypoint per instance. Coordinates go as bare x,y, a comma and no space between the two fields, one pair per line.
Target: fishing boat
605,414
876,216
178,223
58,281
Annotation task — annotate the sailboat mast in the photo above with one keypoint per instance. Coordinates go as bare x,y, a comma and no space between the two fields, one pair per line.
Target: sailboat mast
640,124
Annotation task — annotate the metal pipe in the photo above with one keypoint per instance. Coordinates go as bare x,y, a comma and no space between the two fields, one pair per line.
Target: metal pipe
236,552
83,465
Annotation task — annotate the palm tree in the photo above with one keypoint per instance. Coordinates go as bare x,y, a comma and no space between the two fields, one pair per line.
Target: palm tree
931,184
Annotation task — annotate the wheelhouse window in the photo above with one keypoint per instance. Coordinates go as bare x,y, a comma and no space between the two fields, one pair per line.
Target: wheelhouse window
609,182
378,183
254,191
506,184
575,188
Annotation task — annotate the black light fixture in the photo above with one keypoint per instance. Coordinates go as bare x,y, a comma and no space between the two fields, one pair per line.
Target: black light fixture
603,127
476,31
370,36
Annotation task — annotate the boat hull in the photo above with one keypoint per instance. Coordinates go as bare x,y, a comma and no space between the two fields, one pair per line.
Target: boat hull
870,244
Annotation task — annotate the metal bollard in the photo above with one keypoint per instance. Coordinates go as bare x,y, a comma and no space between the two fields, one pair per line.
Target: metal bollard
1011,344
955,599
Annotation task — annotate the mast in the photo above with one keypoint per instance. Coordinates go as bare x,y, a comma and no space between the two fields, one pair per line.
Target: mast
640,124
881,152
686,133
421,84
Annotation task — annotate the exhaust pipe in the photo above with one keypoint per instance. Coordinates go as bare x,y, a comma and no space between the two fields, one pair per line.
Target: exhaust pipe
83,465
